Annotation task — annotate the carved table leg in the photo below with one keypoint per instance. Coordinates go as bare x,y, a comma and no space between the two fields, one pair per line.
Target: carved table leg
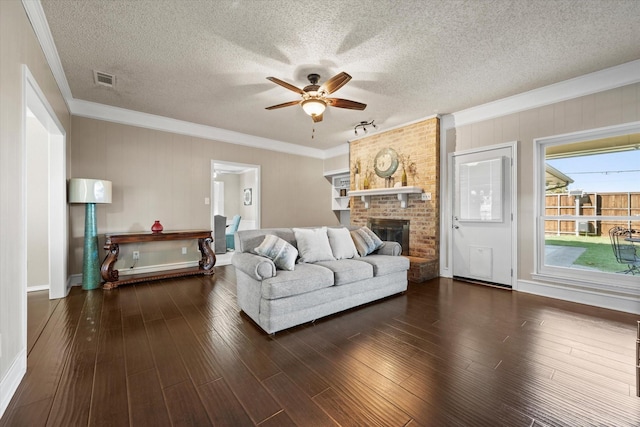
109,275
208,259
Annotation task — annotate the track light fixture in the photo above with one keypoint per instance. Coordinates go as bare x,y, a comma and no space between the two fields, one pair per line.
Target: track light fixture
364,125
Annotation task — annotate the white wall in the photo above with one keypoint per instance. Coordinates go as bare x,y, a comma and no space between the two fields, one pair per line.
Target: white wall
37,146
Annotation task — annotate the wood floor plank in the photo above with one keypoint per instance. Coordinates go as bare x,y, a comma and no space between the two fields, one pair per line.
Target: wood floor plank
222,406
445,353
109,399
171,369
41,308
49,354
256,400
146,402
137,352
185,407
197,361
71,404
297,405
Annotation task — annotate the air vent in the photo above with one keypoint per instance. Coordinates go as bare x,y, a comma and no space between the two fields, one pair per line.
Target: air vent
104,79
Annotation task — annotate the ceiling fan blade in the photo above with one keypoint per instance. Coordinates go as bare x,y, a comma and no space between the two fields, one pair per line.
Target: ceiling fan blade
317,118
345,103
335,83
286,85
286,104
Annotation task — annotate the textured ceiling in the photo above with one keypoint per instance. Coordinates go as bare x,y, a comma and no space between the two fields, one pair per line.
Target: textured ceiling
206,61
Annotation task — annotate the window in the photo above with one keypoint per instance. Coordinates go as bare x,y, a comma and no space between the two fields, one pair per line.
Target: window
588,183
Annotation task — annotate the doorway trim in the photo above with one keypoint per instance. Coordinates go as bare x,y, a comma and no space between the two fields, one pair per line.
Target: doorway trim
256,194
447,218
36,102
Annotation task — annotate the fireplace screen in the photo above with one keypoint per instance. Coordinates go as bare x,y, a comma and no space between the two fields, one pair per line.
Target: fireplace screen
391,230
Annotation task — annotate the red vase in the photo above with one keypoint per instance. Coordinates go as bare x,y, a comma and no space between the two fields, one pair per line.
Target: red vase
157,227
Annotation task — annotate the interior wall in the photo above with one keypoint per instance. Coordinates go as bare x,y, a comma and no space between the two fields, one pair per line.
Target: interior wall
612,107
18,45
337,163
248,212
165,176
232,196
37,165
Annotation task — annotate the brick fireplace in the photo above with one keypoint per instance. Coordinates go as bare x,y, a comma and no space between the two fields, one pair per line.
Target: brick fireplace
420,143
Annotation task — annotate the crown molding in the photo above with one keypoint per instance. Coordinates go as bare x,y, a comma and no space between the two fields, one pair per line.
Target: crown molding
588,84
36,15
108,113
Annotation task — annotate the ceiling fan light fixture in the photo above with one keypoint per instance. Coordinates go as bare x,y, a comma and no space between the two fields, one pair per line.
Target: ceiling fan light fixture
314,107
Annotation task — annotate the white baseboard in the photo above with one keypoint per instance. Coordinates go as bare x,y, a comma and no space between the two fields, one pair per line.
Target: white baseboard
11,380
581,296
37,288
76,279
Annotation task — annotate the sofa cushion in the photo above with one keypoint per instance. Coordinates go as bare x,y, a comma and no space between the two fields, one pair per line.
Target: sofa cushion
305,278
280,251
365,240
341,243
313,244
348,270
385,264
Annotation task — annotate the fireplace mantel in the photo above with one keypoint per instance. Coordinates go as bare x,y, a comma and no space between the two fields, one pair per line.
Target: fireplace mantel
401,192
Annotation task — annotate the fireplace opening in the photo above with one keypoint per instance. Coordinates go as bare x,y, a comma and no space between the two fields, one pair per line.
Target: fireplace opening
391,230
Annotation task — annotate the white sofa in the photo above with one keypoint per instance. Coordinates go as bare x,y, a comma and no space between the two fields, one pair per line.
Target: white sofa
278,299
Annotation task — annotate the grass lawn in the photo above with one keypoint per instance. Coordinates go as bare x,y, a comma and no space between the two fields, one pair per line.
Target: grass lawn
598,252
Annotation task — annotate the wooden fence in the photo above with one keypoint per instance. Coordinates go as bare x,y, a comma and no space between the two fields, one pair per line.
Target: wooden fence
602,204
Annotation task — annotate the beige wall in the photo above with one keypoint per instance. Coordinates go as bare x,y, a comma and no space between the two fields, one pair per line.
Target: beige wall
248,180
159,175
337,163
607,108
37,204
18,45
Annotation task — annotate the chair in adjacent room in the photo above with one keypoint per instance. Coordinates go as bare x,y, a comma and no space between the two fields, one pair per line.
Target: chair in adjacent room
219,234
231,230
625,251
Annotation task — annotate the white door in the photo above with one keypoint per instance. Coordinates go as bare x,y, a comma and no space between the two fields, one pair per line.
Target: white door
482,235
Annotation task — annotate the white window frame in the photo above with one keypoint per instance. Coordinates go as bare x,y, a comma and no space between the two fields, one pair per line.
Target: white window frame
598,281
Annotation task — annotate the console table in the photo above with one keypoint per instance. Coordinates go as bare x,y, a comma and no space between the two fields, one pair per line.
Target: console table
110,276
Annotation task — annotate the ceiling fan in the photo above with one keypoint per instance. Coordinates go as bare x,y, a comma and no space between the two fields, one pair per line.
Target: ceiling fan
314,97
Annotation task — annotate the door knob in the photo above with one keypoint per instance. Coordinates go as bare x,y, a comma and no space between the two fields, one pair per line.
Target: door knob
456,227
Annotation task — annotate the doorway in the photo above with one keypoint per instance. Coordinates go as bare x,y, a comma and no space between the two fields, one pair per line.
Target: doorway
37,110
235,191
483,234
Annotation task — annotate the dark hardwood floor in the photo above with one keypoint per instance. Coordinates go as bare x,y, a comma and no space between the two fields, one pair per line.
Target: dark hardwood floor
446,353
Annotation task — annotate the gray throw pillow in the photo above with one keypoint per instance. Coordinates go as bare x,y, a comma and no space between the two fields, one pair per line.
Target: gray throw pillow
341,243
313,244
281,252
365,240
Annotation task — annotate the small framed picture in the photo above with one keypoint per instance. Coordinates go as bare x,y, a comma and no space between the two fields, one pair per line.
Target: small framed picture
247,196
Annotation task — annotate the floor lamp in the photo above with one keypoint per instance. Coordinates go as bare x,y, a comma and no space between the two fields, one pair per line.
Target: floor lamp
90,192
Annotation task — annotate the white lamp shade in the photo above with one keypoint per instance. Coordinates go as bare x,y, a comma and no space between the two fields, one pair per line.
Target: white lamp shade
85,190
313,107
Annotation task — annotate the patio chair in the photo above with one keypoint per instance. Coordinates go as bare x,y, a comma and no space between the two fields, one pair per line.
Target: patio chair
625,251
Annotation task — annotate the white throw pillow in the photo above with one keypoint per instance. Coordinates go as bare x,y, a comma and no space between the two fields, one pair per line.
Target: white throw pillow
313,244
365,240
282,253
341,243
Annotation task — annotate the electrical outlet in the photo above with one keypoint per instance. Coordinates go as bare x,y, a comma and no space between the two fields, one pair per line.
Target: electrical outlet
426,196
136,255
184,251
